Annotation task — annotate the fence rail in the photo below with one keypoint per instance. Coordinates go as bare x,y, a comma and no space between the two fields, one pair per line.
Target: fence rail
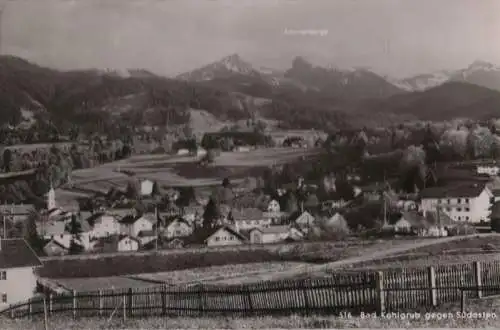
382,291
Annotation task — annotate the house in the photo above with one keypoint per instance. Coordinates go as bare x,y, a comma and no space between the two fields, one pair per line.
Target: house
146,236
54,248
146,187
337,220
242,149
248,218
132,225
466,201
223,236
17,277
192,213
273,234
273,206
177,227
183,152
128,243
103,225
430,224
302,219
490,168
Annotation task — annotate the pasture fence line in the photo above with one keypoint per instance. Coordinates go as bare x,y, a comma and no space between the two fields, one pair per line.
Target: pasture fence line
371,291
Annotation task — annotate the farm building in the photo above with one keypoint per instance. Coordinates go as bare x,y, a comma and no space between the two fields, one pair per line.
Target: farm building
273,206
432,223
223,236
17,277
273,234
128,243
177,227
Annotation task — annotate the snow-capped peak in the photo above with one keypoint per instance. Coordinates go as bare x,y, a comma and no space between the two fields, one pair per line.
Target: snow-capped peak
482,65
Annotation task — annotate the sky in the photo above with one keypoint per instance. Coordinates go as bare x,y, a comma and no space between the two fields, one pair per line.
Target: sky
399,38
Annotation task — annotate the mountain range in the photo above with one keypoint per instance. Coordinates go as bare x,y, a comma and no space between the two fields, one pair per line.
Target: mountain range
232,89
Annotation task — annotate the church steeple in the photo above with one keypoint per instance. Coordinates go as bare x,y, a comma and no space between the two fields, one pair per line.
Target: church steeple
51,198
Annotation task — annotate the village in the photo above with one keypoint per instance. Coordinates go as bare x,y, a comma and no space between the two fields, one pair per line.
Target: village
463,207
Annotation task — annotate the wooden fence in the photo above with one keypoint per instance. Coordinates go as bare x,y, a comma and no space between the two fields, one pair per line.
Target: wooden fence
372,291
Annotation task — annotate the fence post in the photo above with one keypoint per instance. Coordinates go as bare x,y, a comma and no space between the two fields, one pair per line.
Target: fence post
462,302
30,308
432,284
124,303
478,278
74,304
163,300
305,286
12,311
201,294
51,300
129,305
249,300
101,302
380,292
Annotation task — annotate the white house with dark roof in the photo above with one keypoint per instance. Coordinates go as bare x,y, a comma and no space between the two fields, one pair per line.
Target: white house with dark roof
133,225
128,243
17,278
248,218
466,202
177,227
103,225
223,236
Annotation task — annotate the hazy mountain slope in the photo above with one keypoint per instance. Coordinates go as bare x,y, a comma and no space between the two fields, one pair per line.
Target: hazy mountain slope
448,101
479,73
358,83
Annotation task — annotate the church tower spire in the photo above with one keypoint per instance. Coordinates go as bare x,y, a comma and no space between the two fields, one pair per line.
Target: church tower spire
51,198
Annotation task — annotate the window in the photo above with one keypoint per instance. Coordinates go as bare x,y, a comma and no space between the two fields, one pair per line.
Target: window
467,209
467,218
3,275
459,200
459,209
448,209
459,218
4,297
232,238
217,239
439,201
449,201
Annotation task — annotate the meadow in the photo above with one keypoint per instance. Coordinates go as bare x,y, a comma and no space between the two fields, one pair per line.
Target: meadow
174,170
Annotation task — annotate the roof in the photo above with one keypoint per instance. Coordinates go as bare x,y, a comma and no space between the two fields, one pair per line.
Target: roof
247,214
146,233
273,229
204,236
463,189
56,242
16,253
129,219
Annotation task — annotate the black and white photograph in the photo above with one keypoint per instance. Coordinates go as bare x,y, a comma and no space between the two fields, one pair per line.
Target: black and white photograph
249,164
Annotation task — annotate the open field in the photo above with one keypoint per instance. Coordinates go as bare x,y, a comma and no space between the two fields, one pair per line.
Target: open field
216,273
475,248
99,283
173,170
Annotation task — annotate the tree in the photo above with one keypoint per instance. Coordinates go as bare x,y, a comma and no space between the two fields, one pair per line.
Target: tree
186,196
74,227
291,203
7,160
30,233
226,183
210,215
